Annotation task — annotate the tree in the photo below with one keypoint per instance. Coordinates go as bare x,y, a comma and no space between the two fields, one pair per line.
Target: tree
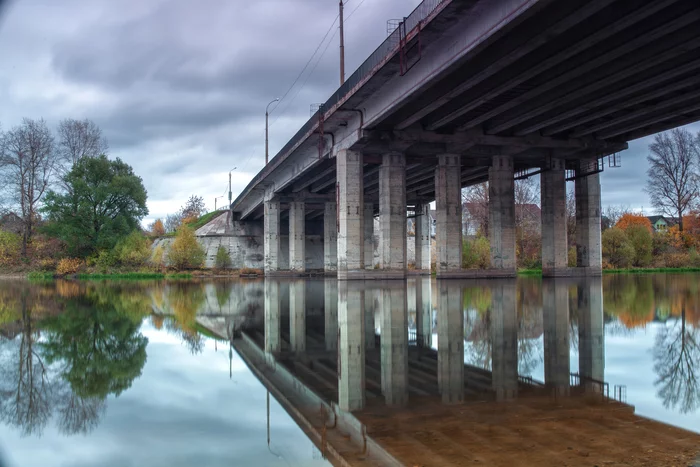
617,248
133,250
186,252
156,228
640,239
78,139
27,163
629,219
105,202
173,222
193,209
223,260
671,181
476,200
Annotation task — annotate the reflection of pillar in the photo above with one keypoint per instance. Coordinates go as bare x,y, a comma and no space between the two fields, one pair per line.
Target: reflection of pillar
330,313
394,344
504,340
297,316
424,313
555,305
392,211
450,322
330,237
297,236
591,353
351,358
370,332
272,316
369,235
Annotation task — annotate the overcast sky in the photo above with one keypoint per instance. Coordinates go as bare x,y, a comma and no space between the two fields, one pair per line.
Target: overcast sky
179,87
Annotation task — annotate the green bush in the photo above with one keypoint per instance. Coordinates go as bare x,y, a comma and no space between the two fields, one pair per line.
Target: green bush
617,248
186,252
104,260
223,260
571,257
476,253
158,256
641,241
133,250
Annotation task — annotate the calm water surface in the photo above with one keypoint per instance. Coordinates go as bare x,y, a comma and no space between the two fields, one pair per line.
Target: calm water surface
130,373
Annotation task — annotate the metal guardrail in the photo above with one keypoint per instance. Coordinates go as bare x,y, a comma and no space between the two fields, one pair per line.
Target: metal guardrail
386,49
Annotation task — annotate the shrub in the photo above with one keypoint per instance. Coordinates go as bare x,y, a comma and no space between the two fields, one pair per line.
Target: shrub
105,260
133,250
677,260
69,266
10,247
223,260
571,257
476,253
186,252
617,249
158,256
641,241
47,264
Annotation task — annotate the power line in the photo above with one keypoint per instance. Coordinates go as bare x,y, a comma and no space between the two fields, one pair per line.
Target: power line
353,11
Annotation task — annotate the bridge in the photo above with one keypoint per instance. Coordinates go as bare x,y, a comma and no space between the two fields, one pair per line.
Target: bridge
468,91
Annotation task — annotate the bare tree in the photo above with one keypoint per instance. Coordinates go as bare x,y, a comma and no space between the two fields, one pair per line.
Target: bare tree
476,201
27,163
671,181
78,139
570,216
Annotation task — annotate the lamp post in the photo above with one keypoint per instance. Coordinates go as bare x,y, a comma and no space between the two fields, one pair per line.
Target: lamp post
267,113
215,201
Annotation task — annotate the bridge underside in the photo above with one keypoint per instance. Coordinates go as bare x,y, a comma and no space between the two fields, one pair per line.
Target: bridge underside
555,89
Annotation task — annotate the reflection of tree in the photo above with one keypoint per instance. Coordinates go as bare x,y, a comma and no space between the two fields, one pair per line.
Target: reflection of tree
677,365
184,300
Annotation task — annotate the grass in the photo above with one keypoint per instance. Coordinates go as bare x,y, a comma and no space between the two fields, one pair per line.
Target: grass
40,276
206,218
134,276
529,272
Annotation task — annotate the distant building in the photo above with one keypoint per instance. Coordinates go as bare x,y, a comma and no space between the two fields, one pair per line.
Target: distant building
659,223
11,222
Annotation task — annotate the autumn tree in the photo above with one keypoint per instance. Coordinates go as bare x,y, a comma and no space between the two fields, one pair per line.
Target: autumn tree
671,181
629,219
617,248
27,164
193,209
186,252
157,228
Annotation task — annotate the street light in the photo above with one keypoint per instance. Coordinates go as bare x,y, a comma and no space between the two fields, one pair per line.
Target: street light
266,118
215,201
229,185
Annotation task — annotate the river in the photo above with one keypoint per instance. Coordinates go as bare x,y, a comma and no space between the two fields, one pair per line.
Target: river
142,373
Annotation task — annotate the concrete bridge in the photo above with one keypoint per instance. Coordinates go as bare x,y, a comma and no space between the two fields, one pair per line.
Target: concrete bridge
467,91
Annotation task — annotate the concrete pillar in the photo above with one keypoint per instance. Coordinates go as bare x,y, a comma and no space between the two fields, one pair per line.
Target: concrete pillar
424,314
297,316
394,344
448,201
502,213
392,212
351,247
591,349
272,317
370,310
555,305
297,236
422,231
271,226
330,313
369,235
504,340
554,242
588,243
351,358
330,237
450,321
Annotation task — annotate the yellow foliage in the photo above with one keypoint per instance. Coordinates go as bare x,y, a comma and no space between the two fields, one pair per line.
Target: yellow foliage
629,219
69,266
158,228
186,252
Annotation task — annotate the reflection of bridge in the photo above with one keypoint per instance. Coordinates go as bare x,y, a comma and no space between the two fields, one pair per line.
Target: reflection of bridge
382,399
466,91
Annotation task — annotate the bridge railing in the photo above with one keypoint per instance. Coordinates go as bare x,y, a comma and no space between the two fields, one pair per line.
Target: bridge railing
385,50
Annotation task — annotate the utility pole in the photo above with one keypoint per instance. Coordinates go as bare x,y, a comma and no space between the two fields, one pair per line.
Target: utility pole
267,113
342,46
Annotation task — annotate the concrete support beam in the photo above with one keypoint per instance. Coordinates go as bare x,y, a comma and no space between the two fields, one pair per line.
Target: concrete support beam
271,227
588,242
351,248
422,236
351,356
297,236
369,235
591,345
504,339
330,314
450,342
448,200
424,313
330,237
557,367
392,212
502,213
297,316
272,317
394,343
554,241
